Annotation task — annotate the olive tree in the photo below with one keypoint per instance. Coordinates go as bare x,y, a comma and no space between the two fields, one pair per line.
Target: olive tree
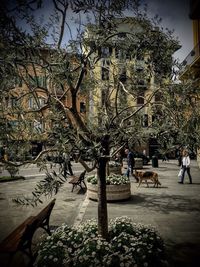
48,67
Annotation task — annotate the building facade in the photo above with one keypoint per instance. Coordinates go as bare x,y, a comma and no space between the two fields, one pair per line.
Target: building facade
191,64
34,100
125,61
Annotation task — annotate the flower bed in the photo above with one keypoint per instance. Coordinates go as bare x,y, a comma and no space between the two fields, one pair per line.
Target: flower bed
117,187
112,179
129,244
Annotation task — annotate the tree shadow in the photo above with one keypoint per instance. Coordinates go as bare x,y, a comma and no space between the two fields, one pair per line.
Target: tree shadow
184,254
82,191
164,203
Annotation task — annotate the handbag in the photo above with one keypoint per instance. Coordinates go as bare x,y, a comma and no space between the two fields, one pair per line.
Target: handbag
180,173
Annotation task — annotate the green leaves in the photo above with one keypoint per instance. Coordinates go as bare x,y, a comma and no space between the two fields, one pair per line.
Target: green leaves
47,187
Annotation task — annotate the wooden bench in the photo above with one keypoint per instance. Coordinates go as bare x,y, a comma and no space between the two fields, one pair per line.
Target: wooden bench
21,238
43,217
78,180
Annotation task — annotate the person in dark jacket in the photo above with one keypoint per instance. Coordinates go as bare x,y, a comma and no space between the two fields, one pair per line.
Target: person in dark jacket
130,163
67,166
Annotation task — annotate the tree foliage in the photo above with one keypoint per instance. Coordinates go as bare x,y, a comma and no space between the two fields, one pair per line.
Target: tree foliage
47,66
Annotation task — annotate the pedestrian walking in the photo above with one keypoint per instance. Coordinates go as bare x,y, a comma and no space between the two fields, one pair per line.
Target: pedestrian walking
130,163
164,157
185,167
67,166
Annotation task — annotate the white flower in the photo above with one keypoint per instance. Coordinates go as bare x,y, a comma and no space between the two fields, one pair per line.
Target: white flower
70,250
50,257
81,259
55,259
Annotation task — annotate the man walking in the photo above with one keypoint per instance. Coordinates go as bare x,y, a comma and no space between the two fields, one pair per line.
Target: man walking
130,163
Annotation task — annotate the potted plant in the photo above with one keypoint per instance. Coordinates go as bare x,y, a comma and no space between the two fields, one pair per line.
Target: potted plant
118,187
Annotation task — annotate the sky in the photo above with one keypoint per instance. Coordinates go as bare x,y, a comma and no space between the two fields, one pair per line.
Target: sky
175,15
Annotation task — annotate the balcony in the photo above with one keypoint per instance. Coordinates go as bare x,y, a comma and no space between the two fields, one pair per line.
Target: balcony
191,62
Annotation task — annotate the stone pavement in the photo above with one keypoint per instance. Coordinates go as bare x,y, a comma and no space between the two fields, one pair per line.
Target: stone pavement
174,209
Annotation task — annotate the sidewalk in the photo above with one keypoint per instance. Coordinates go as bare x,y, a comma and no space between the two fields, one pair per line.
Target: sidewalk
174,209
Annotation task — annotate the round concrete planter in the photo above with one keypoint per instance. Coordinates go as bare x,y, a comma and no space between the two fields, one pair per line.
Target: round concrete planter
113,192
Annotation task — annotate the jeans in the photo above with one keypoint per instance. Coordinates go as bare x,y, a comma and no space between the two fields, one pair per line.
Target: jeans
188,172
130,171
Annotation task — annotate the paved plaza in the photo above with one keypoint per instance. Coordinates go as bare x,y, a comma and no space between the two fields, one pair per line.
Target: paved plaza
174,209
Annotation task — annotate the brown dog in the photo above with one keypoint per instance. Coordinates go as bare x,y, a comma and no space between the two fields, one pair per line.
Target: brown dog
148,175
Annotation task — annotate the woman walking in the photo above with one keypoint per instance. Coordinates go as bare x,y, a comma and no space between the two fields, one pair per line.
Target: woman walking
185,167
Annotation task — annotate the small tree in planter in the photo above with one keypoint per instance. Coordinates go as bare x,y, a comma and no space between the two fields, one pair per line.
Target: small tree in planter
118,187
57,77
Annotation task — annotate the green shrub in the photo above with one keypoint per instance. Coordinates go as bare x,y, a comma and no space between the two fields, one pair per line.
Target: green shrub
129,244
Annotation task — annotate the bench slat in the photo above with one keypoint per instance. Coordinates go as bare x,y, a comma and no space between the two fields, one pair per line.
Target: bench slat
42,215
21,237
12,241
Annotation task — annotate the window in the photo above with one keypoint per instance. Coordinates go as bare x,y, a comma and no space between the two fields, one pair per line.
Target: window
38,126
122,54
30,102
35,81
106,51
104,74
140,99
103,98
122,75
145,120
82,107
11,102
42,101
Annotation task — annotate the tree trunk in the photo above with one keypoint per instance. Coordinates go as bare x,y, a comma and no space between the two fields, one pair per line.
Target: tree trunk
102,200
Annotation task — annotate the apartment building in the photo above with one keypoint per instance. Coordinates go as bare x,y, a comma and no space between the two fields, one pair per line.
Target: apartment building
191,64
121,63
31,99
